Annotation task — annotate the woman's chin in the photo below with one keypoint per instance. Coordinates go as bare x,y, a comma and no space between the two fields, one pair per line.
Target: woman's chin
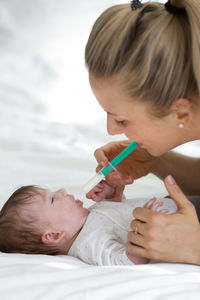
155,152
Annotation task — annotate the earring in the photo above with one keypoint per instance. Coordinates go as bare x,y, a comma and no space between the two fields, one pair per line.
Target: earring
181,125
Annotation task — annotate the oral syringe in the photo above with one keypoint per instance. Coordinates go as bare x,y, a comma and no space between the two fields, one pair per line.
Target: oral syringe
100,175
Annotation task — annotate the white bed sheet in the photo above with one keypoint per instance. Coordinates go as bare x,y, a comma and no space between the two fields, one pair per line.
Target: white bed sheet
48,138
41,277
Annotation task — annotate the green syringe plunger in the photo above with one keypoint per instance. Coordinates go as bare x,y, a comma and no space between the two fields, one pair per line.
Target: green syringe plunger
111,166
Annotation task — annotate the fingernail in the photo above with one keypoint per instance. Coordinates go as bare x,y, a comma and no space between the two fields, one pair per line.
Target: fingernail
128,180
102,163
164,211
116,176
170,180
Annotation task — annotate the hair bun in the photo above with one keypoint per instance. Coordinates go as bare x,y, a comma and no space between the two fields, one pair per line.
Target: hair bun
173,9
135,4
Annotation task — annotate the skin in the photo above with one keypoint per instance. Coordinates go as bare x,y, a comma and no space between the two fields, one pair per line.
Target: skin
61,217
160,235
101,191
156,135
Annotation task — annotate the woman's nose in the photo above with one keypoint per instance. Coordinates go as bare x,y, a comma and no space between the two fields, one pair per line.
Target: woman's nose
112,127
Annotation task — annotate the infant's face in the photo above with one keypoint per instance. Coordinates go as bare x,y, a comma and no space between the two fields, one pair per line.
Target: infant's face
59,211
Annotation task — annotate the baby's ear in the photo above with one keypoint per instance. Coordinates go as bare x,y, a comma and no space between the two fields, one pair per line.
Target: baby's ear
52,237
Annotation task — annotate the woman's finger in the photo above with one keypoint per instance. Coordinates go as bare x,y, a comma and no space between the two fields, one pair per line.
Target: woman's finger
119,192
143,214
128,180
135,250
138,227
136,239
117,177
183,204
101,157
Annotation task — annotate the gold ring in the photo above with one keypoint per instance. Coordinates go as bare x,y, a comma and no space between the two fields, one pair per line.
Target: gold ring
137,228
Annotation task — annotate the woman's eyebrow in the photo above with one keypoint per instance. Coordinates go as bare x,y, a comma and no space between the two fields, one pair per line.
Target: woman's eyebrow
109,113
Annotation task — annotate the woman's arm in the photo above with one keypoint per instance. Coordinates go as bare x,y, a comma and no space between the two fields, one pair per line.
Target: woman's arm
185,170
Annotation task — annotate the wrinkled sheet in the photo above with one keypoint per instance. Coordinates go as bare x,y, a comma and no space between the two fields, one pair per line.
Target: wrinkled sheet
41,277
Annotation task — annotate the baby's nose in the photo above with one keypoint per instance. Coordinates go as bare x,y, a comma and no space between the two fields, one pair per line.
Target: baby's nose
62,192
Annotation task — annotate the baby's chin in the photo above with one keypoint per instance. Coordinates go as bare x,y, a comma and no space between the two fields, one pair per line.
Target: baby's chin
86,210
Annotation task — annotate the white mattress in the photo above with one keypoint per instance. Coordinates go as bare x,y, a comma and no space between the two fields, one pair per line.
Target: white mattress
50,126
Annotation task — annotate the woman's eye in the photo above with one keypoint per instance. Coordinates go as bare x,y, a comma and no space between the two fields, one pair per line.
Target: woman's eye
120,122
52,199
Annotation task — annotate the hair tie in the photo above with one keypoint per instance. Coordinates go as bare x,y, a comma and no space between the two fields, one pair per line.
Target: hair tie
173,9
135,4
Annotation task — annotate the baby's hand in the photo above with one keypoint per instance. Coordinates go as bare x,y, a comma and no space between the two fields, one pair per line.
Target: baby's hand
153,205
101,191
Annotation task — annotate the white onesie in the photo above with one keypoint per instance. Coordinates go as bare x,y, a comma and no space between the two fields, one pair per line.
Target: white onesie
104,235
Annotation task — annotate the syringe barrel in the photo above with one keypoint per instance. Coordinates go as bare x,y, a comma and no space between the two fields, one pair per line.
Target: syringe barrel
93,181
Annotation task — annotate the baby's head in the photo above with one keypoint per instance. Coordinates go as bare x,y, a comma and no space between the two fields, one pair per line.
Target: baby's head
36,220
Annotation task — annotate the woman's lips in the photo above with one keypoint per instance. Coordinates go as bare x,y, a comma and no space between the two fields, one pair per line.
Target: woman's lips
140,144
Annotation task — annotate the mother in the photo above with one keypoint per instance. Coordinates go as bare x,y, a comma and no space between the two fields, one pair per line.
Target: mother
144,69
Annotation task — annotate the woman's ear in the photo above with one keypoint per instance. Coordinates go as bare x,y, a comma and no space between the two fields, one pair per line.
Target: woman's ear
52,237
184,110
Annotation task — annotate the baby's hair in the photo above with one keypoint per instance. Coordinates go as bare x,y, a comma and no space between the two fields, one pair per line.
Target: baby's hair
19,230
154,54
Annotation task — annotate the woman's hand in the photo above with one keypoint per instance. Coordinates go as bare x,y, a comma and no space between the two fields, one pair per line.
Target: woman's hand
139,163
171,238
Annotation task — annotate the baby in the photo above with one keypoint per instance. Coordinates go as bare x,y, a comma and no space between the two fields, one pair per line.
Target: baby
37,221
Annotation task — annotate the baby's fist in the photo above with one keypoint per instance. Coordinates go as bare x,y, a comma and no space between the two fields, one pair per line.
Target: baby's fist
101,191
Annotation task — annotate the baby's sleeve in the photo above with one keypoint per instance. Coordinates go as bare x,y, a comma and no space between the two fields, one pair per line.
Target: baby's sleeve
102,250
114,253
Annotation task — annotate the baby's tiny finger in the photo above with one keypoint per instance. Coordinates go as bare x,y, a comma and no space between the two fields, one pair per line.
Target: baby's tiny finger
150,203
156,206
129,180
97,189
94,198
89,194
101,184
164,211
97,198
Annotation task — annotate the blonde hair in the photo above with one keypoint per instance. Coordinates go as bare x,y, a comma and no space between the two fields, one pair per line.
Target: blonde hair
154,53
19,231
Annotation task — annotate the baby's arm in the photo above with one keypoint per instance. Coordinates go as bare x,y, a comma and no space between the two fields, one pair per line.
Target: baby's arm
101,191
